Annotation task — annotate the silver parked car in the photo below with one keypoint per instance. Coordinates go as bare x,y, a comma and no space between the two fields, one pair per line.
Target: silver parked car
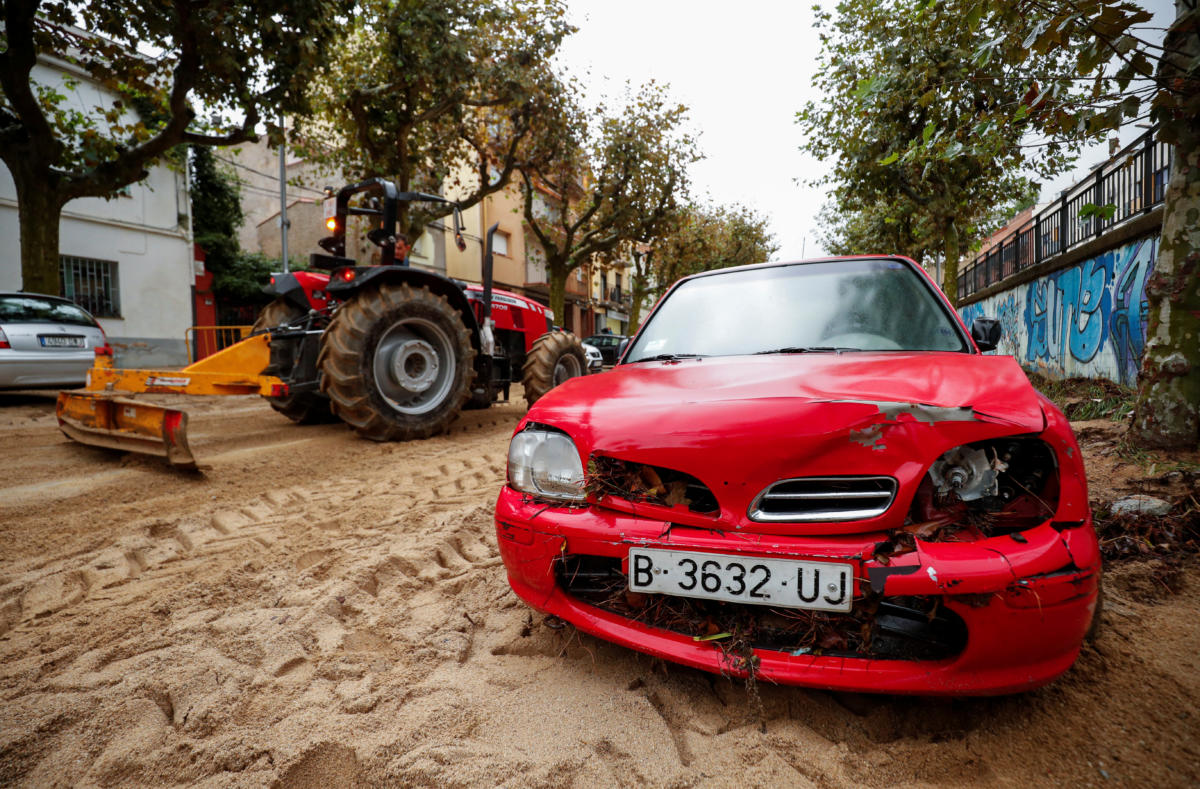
45,341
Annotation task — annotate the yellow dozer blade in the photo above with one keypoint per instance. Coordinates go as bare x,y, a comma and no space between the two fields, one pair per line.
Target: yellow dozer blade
99,416
102,420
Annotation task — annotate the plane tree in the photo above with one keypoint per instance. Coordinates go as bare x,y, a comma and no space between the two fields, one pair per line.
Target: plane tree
696,238
196,72
439,96
593,178
899,125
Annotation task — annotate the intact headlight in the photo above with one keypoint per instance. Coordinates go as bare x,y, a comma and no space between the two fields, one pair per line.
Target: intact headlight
546,464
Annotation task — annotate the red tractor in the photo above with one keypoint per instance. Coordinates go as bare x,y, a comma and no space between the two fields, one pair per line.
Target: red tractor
394,351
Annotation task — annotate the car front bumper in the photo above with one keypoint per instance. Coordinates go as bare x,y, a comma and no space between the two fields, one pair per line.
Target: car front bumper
1026,603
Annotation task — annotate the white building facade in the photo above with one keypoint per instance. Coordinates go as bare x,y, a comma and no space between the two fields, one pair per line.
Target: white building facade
127,260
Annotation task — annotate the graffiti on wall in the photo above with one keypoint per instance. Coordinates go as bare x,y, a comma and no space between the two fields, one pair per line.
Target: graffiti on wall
1088,319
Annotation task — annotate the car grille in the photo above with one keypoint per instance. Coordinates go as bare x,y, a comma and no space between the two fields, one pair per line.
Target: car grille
890,628
817,499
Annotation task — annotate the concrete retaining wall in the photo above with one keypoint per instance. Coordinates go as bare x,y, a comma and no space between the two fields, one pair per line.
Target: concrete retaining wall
1088,319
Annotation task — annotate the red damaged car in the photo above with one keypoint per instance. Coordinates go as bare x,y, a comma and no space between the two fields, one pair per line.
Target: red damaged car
810,471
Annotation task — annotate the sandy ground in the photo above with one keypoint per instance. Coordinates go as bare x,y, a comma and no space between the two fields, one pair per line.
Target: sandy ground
318,610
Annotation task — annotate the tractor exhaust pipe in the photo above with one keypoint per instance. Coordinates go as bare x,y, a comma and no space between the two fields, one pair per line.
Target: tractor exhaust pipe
488,264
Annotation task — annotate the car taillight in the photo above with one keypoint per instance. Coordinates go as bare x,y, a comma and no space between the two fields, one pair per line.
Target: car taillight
104,350
4,340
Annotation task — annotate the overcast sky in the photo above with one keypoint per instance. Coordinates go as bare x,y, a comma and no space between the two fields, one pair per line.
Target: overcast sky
744,68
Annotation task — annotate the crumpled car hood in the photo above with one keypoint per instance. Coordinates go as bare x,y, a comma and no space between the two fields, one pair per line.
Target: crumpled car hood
741,423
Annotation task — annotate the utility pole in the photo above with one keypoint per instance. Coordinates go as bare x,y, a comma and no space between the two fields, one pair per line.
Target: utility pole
283,218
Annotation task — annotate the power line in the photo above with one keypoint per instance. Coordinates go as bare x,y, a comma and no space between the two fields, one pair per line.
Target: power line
274,178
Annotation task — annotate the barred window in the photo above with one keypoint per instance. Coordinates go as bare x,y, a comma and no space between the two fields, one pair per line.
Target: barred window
92,284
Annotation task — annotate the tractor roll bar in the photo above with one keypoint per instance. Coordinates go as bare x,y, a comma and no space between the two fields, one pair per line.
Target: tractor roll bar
384,235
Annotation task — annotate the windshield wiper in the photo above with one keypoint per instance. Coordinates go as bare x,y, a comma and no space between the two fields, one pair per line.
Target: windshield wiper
668,357
808,349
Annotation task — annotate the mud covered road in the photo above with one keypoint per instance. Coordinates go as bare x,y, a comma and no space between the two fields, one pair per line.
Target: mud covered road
317,610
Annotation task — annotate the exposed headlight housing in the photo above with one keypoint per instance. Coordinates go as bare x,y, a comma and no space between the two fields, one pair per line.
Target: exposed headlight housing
996,486
545,463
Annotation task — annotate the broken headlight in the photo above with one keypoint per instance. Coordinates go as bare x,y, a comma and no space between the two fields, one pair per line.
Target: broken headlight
545,463
996,487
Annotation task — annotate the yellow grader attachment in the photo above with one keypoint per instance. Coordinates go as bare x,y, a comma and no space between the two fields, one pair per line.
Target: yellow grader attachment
99,416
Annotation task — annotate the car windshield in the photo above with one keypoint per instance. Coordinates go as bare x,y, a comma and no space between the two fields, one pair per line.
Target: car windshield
850,305
36,309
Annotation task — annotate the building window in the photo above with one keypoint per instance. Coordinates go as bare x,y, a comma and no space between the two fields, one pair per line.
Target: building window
92,284
500,243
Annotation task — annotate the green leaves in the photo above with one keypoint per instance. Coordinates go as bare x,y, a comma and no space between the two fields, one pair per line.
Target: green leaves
699,238
596,178
932,140
427,91
1105,212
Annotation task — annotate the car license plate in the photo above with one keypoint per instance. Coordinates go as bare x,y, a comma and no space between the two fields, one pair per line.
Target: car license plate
785,583
61,340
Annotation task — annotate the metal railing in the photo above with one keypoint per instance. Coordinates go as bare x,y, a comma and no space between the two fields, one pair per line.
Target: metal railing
204,341
1133,182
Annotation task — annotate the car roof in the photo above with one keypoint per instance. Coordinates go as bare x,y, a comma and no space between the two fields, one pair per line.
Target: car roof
31,293
780,264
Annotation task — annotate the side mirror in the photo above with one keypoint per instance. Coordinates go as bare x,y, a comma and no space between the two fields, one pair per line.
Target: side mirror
621,348
986,333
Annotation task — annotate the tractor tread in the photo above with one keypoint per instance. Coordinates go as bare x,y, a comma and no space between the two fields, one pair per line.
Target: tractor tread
537,374
345,361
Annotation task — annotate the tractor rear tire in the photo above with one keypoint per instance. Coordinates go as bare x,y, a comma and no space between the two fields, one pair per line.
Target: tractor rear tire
555,357
305,408
397,363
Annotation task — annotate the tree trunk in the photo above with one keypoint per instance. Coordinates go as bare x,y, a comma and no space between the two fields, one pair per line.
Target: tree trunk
1167,414
950,273
557,274
39,209
637,294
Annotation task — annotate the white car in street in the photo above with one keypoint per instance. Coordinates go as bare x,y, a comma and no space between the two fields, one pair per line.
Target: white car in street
594,358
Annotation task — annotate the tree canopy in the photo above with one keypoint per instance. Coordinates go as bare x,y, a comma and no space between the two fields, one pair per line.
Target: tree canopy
422,91
923,139
697,238
241,62
593,178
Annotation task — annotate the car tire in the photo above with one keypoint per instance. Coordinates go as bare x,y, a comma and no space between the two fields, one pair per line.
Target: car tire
397,363
555,357
304,408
